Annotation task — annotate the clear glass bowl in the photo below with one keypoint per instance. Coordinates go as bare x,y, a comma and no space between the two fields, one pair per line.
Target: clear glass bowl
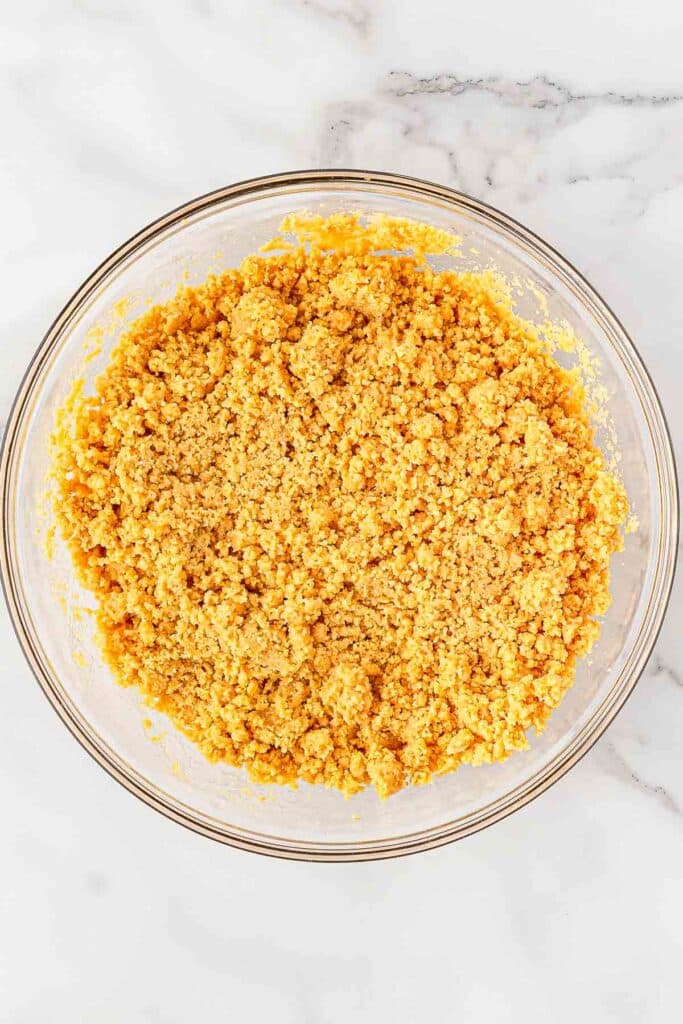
156,763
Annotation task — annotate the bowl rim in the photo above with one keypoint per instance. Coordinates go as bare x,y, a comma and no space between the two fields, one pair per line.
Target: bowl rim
660,590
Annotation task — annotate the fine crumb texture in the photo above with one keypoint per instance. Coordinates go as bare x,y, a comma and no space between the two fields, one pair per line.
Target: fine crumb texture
343,515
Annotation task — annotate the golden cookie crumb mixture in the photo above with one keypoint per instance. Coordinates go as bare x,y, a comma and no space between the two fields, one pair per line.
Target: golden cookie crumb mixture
343,515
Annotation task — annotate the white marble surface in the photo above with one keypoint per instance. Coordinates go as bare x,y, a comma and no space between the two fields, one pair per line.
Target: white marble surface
569,117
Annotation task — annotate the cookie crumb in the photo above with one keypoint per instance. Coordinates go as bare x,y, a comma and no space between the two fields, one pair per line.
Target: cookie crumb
343,515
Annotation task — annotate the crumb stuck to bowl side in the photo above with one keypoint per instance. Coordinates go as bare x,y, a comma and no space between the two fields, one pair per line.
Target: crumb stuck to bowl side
343,515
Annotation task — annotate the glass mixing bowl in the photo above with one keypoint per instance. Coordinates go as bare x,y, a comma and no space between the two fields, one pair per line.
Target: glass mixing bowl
150,758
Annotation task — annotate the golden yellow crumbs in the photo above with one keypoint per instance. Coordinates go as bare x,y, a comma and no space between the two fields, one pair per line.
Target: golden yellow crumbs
343,515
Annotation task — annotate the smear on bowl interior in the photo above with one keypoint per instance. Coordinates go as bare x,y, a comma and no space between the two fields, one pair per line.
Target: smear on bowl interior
343,515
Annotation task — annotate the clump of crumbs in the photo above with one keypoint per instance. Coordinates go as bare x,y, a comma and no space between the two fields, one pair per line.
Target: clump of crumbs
343,515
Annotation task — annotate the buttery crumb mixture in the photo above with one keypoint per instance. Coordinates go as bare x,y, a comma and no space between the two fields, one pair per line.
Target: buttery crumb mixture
343,515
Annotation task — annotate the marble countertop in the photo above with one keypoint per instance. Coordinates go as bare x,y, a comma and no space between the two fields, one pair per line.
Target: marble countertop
571,119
